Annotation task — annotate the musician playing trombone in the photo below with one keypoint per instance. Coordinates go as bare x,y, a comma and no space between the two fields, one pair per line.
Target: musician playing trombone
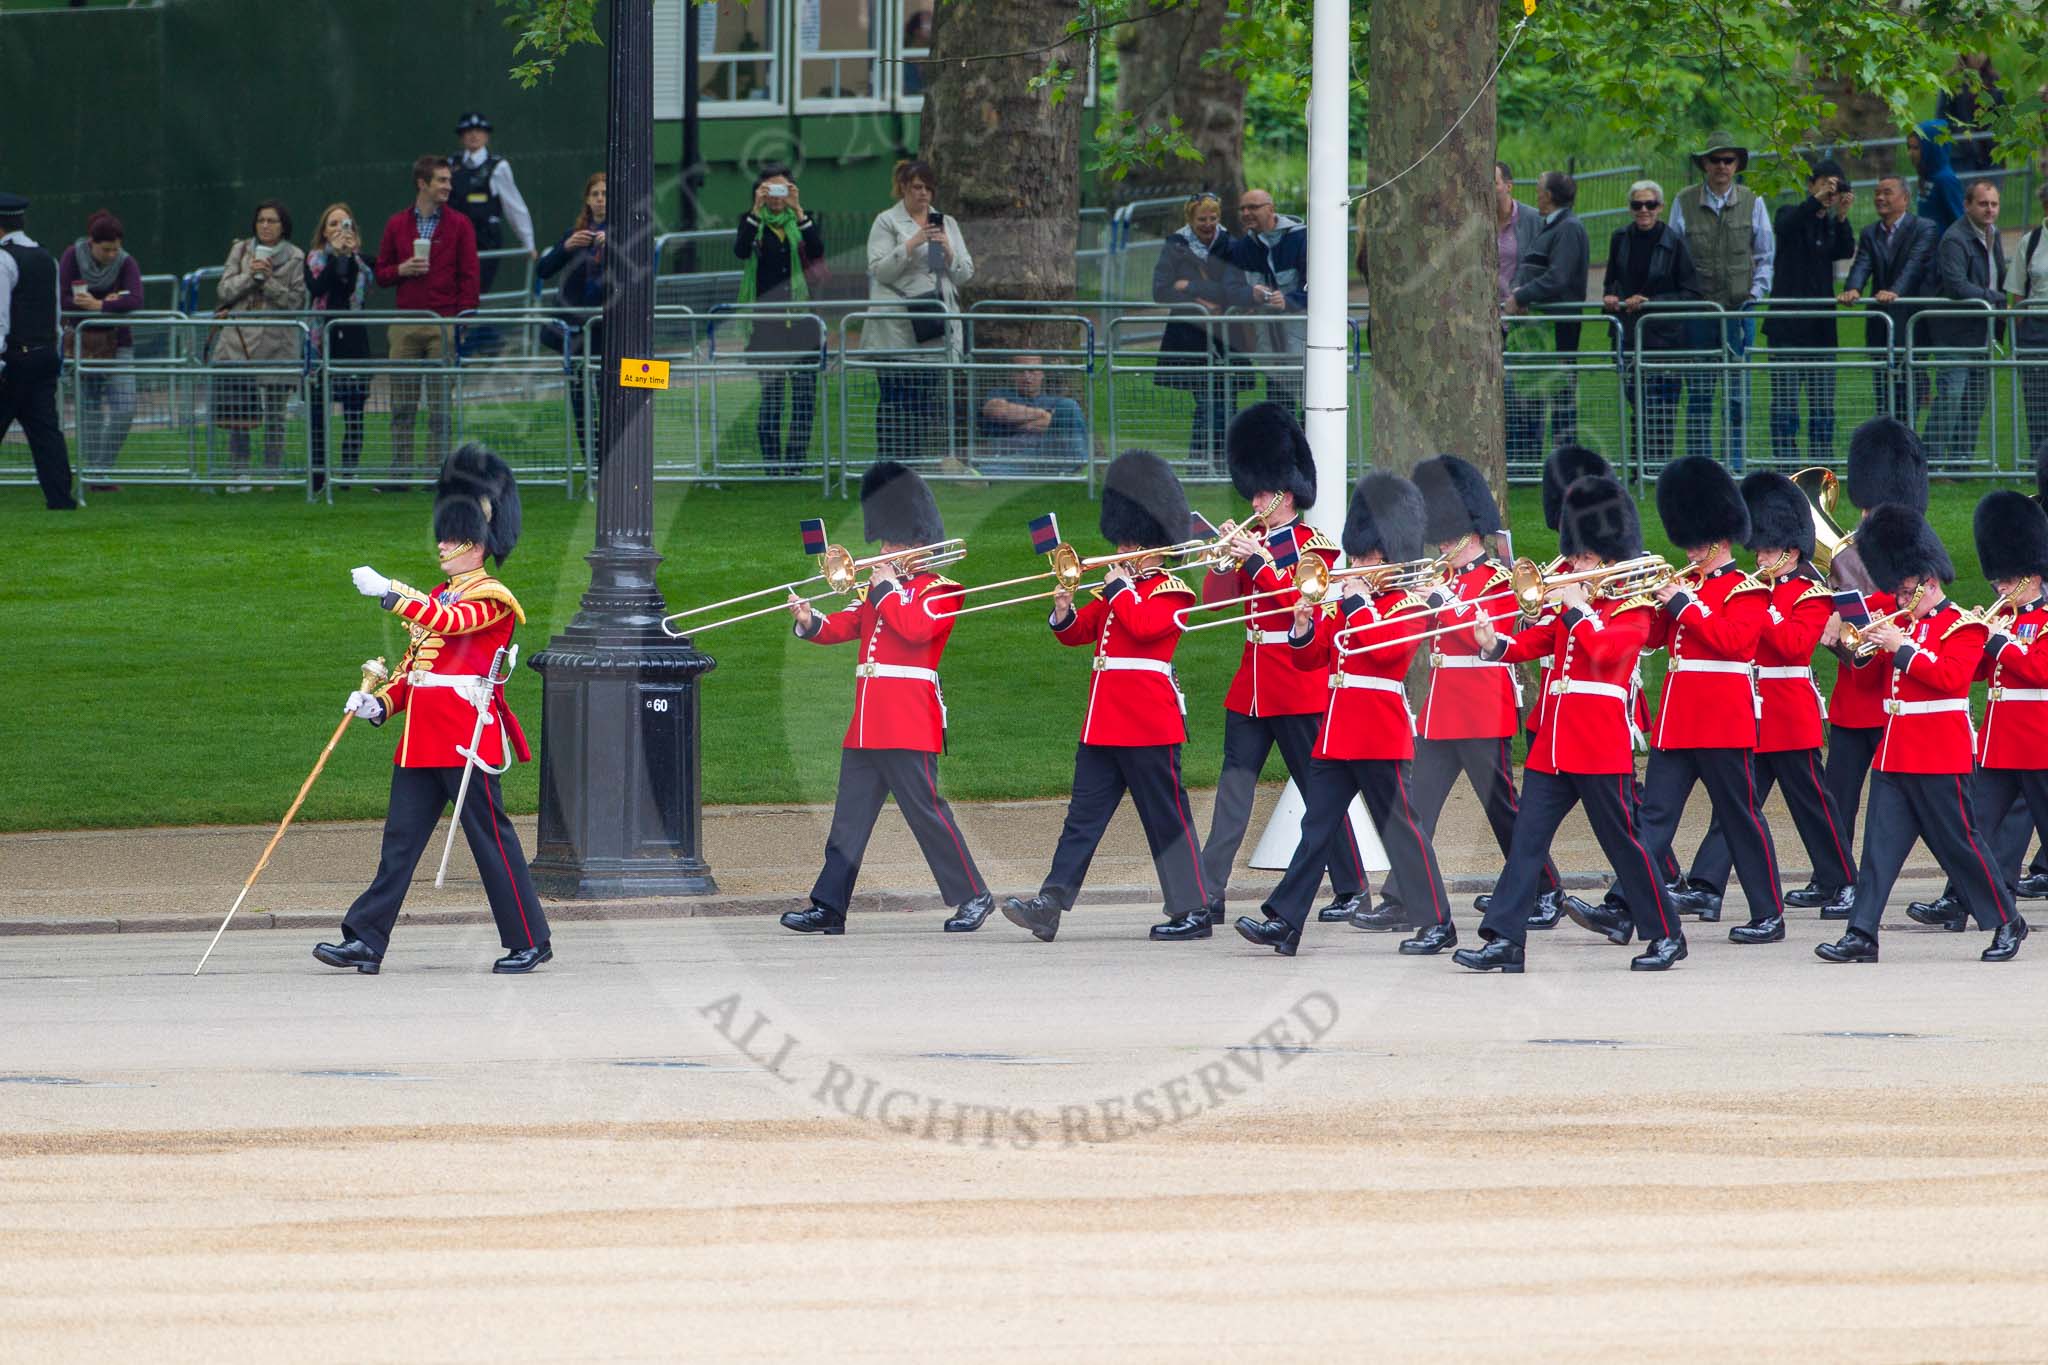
1367,731
1270,701
1582,753
898,727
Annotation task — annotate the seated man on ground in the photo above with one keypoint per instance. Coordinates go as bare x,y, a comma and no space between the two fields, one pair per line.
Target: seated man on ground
1024,430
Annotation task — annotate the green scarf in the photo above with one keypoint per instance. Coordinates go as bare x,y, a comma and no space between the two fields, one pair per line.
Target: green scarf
782,222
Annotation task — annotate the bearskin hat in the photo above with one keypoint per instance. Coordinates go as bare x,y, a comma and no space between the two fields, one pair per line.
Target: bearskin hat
1897,543
1780,517
2012,535
1887,464
1565,464
1142,502
1268,451
1456,497
1387,514
476,499
897,507
1698,502
1597,516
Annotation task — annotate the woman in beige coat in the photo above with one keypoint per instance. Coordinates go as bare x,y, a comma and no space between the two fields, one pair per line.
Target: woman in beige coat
265,272
917,259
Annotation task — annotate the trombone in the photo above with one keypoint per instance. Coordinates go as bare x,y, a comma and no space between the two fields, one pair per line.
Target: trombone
1313,579
1532,587
1067,568
839,571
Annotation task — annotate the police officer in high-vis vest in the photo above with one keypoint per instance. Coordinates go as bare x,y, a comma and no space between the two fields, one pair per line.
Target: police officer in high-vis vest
29,360
485,194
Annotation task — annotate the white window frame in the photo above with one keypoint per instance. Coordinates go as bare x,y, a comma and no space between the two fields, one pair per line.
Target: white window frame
882,16
900,57
775,53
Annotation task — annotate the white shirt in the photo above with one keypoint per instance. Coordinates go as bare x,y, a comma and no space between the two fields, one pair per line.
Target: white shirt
1763,243
2029,278
516,212
10,275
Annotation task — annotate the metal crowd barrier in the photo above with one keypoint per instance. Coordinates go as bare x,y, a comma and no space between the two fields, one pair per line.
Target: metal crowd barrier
1556,392
1966,384
761,397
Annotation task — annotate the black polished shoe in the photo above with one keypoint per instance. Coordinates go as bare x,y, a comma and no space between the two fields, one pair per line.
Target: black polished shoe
1947,913
1430,940
1854,946
970,915
1696,898
2033,887
816,920
1770,930
1601,919
1215,909
350,953
1483,902
1194,924
1040,914
1806,897
1549,910
524,960
1840,906
1664,954
1276,934
1497,956
2005,941
1339,909
1384,916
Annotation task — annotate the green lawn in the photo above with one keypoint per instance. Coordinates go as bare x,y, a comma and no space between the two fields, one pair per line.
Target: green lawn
184,655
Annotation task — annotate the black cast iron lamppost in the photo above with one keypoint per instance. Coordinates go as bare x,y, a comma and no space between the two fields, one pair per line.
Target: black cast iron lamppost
620,805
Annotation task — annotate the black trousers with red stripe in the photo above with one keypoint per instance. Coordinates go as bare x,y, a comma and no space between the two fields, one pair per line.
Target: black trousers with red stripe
1487,765
1247,741
418,796
1800,776
1940,808
1851,751
2012,803
1384,783
1151,774
1730,779
866,778
1611,802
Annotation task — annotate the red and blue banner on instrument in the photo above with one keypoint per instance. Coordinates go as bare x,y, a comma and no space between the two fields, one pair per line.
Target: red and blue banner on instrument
1045,534
813,529
1200,527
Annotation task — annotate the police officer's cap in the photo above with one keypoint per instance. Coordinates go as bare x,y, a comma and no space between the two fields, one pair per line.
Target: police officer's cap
12,205
470,120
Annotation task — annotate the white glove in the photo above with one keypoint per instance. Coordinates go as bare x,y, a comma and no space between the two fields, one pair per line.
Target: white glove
369,582
365,706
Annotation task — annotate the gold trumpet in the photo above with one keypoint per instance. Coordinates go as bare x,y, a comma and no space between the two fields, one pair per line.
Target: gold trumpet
1857,638
838,570
1996,616
1313,579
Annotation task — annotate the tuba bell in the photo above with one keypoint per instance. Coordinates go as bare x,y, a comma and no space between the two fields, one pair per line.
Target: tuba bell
1823,490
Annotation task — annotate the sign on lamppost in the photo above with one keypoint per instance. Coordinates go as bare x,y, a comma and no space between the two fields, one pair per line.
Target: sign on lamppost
620,805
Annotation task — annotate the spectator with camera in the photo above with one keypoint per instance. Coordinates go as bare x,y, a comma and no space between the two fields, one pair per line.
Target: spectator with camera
780,247
579,259
917,261
265,273
96,277
338,278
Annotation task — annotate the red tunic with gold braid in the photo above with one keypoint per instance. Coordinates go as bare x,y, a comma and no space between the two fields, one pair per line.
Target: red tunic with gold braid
1927,725
1132,696
1585,725
896,699
1470,697
457,629
1799,611
1367,715
2015,662
1710,634
1267,683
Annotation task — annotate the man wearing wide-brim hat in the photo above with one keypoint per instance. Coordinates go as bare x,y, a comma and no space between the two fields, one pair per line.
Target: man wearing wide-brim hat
1727,229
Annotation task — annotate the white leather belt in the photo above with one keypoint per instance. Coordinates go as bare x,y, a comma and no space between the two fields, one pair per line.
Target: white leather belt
1786,674
1106,664
1596,689
1465,661
1684,665
475,688
929,675
1895,707
1266,637
2019,694
1368,682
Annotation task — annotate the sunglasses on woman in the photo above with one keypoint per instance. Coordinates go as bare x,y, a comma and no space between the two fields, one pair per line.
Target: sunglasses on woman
1645,205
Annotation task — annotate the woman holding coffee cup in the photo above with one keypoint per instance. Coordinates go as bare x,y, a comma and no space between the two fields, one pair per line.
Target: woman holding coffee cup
265,273
338,278
95,276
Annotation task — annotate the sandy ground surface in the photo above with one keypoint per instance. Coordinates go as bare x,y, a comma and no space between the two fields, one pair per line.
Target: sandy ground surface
710,1139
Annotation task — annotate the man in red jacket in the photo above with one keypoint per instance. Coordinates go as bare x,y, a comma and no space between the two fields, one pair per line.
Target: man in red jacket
428,253
1582,753
1706,726
1788,751
902,620
1920,786
1270,701
446,691
2011,531
1367,734
1136,719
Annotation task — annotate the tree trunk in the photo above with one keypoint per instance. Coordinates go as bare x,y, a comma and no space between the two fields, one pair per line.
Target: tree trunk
1007,156
1436,352
1160,75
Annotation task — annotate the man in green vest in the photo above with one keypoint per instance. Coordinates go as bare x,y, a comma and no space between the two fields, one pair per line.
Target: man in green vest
1727,228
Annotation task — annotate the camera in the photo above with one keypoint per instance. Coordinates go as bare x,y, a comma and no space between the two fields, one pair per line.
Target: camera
778,191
